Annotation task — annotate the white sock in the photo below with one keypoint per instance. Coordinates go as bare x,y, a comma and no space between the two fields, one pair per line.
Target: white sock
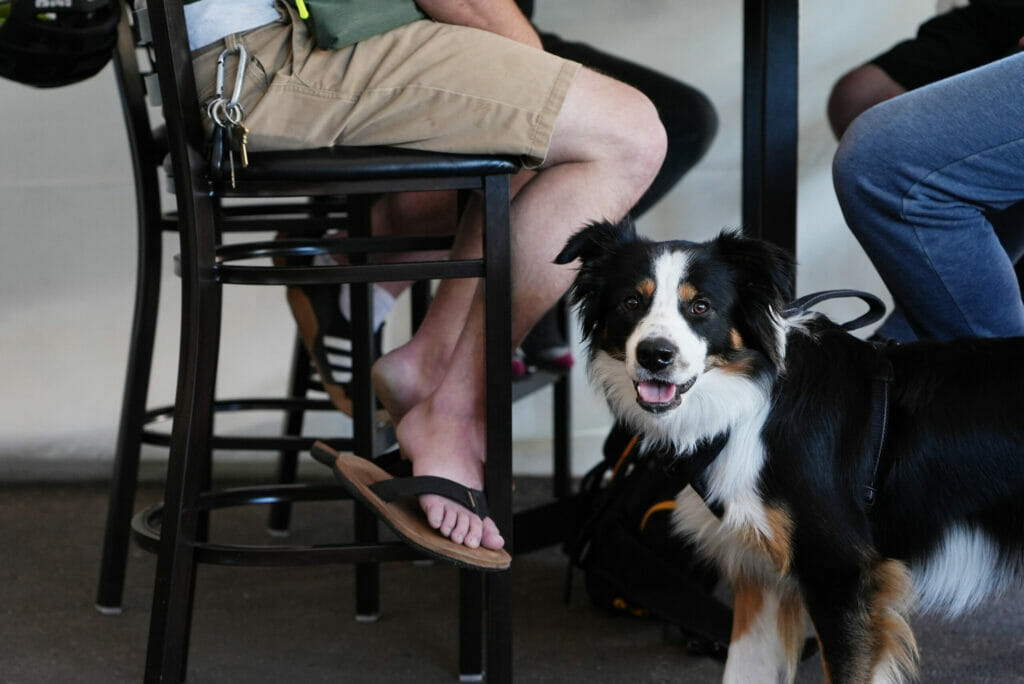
383,301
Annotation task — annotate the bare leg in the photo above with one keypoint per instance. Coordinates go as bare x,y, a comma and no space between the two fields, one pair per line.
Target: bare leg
412,213
422,361
418,365
608,144
855,92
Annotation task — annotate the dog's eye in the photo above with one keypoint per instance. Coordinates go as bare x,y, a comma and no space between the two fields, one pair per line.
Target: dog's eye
632,303
699,307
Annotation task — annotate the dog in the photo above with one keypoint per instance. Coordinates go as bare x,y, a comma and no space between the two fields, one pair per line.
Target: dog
817,519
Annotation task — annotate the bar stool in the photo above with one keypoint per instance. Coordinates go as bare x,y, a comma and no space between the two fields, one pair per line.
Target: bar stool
340,179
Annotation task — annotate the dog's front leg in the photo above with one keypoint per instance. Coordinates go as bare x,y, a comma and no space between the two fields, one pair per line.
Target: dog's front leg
768,629
859,613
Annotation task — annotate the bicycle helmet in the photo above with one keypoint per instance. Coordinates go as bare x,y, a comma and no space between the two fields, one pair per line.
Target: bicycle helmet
48,43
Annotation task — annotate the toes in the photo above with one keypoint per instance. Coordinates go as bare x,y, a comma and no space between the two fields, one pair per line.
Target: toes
490,537
462,525
475,532
451,517
434,510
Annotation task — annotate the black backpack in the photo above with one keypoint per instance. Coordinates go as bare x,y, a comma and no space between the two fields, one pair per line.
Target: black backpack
631,561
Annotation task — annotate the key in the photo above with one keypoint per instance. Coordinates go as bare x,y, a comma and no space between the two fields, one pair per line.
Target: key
243,140
217,150
230,144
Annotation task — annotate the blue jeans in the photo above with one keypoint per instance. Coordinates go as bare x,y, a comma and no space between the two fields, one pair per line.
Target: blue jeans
927,182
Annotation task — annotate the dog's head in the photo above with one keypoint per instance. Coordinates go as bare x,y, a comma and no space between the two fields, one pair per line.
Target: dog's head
663,319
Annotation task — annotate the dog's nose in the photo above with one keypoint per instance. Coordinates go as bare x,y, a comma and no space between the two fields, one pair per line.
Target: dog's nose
655,353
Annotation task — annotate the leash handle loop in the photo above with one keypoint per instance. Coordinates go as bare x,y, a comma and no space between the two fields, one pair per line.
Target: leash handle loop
876,308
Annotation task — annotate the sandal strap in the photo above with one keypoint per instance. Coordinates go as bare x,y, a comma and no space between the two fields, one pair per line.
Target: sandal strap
399,487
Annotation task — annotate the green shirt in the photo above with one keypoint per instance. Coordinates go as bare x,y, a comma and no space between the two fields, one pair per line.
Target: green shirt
339,23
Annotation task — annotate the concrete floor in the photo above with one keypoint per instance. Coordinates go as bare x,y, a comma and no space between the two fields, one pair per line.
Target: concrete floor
296,624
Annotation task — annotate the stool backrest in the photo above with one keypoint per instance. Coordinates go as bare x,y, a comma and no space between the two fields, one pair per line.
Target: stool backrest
135,74
173,62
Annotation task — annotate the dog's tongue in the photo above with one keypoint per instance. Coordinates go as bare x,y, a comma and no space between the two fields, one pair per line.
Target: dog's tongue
656,392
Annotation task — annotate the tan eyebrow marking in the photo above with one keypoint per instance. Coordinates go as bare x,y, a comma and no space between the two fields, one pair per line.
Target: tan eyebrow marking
687,292
736,339
646,287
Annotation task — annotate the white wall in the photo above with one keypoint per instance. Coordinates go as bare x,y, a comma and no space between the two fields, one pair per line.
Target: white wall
67,227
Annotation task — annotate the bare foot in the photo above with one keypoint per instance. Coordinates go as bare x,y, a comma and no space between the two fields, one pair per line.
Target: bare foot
450,448
401,381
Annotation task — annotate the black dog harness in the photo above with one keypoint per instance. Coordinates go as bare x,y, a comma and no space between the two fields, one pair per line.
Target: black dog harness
694,464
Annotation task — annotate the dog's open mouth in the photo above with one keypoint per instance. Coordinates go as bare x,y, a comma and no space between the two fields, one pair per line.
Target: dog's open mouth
657,396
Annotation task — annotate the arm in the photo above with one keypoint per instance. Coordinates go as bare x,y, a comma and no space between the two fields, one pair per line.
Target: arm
497,16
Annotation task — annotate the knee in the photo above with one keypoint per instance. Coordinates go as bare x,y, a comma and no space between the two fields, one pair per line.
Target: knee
645,140
859,166
856,92
612,128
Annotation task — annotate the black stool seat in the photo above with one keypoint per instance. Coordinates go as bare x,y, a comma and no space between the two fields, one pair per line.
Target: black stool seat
363,164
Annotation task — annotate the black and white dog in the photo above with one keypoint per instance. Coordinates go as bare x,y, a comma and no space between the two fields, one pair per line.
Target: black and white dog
807,509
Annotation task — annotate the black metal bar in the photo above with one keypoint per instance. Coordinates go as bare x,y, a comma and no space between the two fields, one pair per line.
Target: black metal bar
562,418
147,533
498,300
269,494
124,478
366,273
364,409
280,443
311,246
770,125
471,625
187,475
753,115
307,186
373,553
562,437
419,302
201,301
280,516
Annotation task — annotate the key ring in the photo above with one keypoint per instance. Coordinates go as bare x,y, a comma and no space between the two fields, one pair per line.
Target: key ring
243,60
224,113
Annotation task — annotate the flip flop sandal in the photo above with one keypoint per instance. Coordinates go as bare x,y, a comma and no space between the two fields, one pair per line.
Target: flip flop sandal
393,500
327,336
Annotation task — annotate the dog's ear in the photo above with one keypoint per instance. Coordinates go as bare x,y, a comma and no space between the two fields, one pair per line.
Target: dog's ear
763,266
765,274
597,240
595,245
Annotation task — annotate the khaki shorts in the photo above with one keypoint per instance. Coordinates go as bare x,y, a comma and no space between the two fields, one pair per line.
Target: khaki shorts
426,85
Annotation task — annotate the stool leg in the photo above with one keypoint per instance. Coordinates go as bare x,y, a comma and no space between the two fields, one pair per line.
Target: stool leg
288,463
562,415
364,414
471,626
420,301
124,480
188,469
498,303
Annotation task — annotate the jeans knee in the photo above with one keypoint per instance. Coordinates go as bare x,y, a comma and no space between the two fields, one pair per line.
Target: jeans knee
859,167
